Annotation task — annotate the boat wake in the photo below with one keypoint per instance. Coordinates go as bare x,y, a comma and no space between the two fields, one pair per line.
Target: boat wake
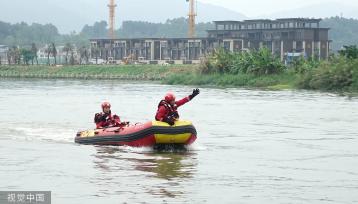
39,133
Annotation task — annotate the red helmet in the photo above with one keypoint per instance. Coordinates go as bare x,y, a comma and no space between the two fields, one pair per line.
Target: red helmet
169,97
106,105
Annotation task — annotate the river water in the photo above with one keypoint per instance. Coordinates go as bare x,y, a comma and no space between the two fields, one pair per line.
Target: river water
253,146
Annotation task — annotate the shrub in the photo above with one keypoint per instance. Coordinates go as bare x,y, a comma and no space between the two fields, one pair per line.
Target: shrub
338,74
260,62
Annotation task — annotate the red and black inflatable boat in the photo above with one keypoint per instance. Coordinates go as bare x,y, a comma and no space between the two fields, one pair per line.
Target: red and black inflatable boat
139,135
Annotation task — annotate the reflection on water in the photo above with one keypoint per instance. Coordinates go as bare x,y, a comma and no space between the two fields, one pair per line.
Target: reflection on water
165,165
141,163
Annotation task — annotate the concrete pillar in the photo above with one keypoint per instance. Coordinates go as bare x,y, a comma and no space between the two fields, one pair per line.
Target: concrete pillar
319,50
273,47
152,49
327,52
313,49
294,45
282,54
160,50
200,48
125,49
261,44
242,44
249,45
232,45
304,47
188,57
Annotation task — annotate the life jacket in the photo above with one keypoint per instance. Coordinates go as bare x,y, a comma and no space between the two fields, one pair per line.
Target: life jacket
103,117
172,110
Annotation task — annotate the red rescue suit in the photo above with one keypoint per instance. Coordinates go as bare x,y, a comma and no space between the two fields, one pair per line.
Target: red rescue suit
166,112
103,120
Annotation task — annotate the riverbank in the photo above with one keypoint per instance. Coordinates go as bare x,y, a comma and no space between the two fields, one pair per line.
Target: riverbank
123,72
287,80
189,75
173,74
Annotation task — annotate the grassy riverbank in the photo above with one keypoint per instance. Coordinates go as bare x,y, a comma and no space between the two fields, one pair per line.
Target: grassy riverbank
128,72
173,74
286,80
338,74
260,68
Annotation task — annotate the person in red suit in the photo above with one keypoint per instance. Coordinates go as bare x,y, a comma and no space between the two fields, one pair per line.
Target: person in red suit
105,118
167,108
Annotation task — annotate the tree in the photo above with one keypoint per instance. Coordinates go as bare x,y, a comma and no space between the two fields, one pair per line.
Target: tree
67,49
350,52
17,55
72,59
83,54
34,53
98,30
27,55
54,51
95,52
9,56
86,54
48,53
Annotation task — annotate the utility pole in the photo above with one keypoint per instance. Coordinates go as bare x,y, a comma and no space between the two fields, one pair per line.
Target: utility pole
112,15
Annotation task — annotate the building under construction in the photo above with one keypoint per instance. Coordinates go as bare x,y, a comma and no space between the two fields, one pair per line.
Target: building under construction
284,37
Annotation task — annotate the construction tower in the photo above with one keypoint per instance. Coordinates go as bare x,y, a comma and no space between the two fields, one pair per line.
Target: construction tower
112,14
192,16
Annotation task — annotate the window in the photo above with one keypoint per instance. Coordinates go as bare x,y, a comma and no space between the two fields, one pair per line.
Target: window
284,35
220,27
251,35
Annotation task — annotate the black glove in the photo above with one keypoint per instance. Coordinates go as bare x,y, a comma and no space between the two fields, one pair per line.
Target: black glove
175,115
195,93
97,118
169,120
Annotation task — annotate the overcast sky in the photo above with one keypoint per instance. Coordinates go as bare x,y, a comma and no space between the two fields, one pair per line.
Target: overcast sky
250,8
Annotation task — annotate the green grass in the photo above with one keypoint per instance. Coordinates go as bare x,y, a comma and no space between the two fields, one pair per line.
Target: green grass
319,79
140,72
279,81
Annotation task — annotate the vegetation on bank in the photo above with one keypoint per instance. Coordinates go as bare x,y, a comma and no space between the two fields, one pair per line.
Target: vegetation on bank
221,68
262,69
130,72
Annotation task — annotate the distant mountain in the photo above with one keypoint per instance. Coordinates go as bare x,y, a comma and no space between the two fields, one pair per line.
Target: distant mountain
326,10
343,31
72,15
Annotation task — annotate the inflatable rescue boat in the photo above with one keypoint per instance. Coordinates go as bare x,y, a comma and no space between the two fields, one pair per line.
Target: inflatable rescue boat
139,135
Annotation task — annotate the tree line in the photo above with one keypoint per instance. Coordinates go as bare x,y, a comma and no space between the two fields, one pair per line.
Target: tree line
23,34
343,32
24,39
16,55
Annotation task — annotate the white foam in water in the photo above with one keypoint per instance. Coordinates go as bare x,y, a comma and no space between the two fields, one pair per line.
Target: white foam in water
137,149
42,133
196,147
193,147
